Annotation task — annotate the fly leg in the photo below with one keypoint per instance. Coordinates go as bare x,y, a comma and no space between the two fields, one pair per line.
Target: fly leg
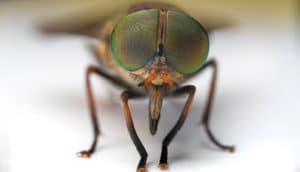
163,164
125,96
91,102
205,120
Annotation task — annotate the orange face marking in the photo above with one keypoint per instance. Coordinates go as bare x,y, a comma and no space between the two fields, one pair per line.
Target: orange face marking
166,78
163,74
151,77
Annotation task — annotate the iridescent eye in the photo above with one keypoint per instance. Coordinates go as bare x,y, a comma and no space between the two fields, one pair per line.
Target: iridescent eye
133,41
187,44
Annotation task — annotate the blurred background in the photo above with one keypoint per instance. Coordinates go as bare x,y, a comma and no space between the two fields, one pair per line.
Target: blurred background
44,116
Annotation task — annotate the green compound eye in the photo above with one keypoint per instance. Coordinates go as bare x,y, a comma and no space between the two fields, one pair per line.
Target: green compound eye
133,41
187,44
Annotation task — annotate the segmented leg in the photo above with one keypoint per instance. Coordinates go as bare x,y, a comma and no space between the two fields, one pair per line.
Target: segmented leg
163,164
125,96
205,120
96,130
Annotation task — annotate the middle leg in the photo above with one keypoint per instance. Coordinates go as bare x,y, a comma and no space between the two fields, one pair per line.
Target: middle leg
207,112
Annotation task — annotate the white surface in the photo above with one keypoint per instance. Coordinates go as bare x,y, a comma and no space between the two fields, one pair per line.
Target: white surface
44,109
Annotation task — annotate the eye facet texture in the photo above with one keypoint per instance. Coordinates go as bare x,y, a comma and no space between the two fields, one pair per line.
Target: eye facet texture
186,44
133,41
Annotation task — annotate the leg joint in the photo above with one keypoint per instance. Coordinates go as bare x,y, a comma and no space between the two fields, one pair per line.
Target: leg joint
192,89
124,96
91,69
212,62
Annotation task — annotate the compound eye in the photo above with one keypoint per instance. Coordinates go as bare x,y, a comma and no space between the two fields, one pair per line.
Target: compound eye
187,44
133,40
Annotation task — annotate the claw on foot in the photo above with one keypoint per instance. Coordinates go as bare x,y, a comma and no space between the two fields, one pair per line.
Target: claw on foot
230,149
141,170
84,154
163,166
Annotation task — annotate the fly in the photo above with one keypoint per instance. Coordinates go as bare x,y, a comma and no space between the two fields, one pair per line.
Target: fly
150,52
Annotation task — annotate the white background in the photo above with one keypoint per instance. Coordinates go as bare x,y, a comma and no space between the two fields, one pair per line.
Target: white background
44,115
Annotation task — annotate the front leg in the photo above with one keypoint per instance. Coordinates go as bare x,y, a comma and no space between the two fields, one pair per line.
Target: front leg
125,96
190,90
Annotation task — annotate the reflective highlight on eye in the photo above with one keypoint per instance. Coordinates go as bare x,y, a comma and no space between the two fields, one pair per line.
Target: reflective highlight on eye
187,44
133,41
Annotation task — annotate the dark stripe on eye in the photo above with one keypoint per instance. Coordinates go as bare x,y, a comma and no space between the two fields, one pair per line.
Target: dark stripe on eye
160,49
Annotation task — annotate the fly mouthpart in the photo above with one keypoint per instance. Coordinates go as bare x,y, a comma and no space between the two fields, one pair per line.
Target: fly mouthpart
153,126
